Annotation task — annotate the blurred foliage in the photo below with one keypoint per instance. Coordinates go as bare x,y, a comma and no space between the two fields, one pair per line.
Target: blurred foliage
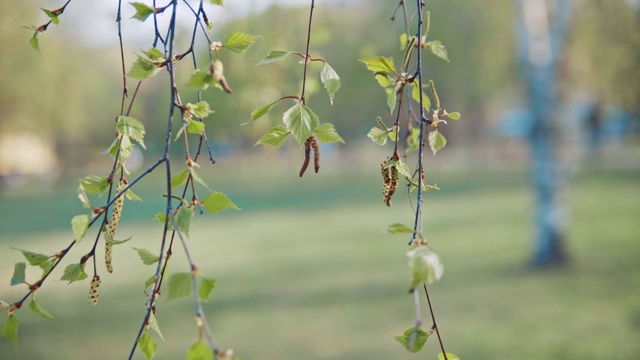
71,93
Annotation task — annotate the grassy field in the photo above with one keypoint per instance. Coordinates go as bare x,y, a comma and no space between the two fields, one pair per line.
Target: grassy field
306,271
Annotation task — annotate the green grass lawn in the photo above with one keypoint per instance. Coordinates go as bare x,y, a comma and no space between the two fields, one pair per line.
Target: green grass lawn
314,276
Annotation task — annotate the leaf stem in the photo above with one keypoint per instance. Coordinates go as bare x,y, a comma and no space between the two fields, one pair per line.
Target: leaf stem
306,57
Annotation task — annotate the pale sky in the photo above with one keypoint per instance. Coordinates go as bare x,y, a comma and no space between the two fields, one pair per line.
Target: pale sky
100,27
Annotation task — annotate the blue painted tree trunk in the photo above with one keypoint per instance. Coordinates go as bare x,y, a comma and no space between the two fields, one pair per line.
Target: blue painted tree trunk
542,32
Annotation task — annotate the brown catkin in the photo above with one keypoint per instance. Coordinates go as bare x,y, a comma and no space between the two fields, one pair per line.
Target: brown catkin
390,180
113,224
307,156
93,293
316,154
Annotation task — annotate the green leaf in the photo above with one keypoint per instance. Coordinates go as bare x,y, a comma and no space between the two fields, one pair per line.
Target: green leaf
52,16
259,112
216,202
10,329
415,94
132,128
437,141
384,80
179,286
438,49
200,109
424,265
35,259
146,256
161,218
153,322
197,178
326,133
403,168
200,80
183,219
126,148
142,11
143,68
179,178
34,41
195,127
450,356
330,79
399,229
147,345
275,137
413,339
378,135
453,116
19,275
413,141
239,42
131,196
94,184
301,121
218,2
391,99
154,54
274,56
379,64
79,225
200,351
113,241
33,305
74,272
206,286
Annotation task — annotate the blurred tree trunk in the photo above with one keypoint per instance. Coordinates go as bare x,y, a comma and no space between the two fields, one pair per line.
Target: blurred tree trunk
543,26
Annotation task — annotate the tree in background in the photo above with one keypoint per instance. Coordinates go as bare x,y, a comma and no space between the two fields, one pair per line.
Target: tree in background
542,29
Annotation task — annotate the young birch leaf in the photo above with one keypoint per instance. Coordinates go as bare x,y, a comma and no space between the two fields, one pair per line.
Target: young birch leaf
132,128
108,238
415,94
52,16
424,265
437,141
259,112
131,196
403,169
153,322
206,286
179,286
200,351
274,56
450,356
216,202
200,80
391,99
162,218
74,272
94,184
413,339
379,64
143,68
378,135
79,225
34,259
200,109
142,11
301,121
34,41
239,42
399,229
179,178
195,127
147,345
183,219
36,308
326,133
275,137
19,275
146,256
218,2
197,178
453,116
438,49
10,329
330,79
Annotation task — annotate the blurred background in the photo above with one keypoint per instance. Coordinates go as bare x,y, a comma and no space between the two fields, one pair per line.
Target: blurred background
305,270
